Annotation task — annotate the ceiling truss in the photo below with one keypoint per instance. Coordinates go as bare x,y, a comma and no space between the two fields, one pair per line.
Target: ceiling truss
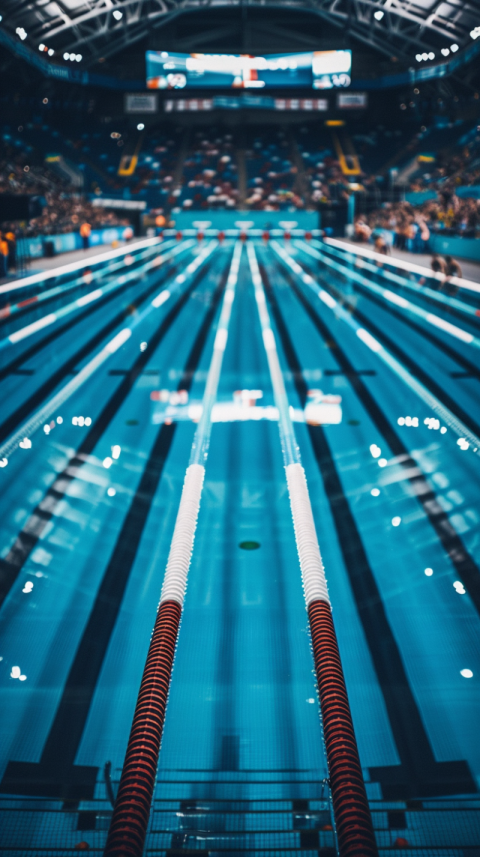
94,27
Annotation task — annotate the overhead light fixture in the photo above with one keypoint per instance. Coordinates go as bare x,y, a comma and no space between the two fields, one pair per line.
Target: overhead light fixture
418,57
51,52
445,52
474,34
454,48
117,14
41,47
21,33
378,15
431,55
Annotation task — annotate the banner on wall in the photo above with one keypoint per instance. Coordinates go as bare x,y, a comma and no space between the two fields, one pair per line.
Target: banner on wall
352,100
137,102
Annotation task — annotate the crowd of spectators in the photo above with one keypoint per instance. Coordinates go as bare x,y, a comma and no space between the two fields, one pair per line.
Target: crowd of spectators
209,175
271,175
59,208
412,226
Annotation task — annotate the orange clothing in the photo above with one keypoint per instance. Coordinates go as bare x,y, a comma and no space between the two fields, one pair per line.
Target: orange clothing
85,230
4,248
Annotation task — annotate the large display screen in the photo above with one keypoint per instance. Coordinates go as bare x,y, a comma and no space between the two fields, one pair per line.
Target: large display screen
317,69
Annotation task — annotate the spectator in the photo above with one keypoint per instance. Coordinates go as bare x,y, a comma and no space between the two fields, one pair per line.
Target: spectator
85,232
438,265
3,256
12,249
452,267
381,245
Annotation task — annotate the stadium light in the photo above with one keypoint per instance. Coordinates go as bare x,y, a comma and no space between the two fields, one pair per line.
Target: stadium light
51,52
140,126
431,55
41,47
117,14
378,15
445,52
454,49
474,34
21,33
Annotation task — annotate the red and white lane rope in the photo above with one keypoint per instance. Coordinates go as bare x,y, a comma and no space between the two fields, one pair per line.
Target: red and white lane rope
128,827
350,805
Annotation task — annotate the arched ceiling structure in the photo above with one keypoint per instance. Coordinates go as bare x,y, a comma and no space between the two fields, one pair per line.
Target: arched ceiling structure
102,28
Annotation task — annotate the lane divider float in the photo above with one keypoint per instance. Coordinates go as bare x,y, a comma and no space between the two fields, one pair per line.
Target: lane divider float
128,827
86,276
398,300
403,263
92,296
78,266
358,259
431,401
353,821
43,414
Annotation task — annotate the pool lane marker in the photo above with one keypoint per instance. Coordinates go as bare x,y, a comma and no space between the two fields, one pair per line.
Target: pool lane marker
41,416
56,774
422,291
446,415
351,810
418,768
10,310
401,263
132,807
78,266
79,303
392,297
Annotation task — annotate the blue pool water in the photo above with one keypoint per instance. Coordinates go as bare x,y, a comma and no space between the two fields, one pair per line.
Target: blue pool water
86,519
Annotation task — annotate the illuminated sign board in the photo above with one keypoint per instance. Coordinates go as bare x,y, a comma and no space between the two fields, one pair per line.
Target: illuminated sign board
310,69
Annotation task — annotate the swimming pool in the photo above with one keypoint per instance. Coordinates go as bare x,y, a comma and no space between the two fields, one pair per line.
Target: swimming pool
380,372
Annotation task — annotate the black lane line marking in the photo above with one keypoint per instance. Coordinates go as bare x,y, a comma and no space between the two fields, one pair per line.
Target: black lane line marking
56,775
464,564
419,773
21,413
89,309
349,374
409,362
27,539
463,375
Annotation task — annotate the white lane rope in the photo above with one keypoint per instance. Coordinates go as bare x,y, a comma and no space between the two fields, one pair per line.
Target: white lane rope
403,264
311,564
457,426
79,303
392,297
44,413
78,266
359,260
181,547
11,309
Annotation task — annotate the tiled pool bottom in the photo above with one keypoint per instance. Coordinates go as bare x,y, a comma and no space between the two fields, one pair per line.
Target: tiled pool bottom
267,824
